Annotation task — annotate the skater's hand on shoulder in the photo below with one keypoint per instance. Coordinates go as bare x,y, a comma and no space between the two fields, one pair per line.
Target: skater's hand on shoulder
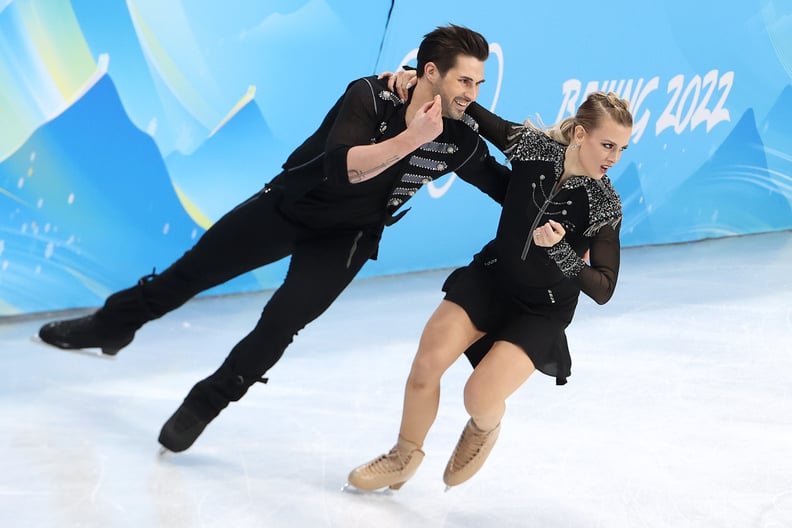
400,82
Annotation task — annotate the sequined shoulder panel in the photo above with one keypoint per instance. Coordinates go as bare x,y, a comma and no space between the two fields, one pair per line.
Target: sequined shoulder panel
384,95
605,206
469,121
530,144
389,96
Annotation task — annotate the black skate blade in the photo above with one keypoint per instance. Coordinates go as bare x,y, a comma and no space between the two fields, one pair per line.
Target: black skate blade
93,352
352,490
163,453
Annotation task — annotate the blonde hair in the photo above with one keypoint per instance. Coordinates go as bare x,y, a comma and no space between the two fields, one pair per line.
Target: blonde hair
590,114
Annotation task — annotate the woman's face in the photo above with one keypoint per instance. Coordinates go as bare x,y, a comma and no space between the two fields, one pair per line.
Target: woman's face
601,148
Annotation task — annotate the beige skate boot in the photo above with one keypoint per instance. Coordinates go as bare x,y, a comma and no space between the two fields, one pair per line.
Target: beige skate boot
471,451
391,470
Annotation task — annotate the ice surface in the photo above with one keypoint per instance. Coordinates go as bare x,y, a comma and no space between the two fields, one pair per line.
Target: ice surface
678,413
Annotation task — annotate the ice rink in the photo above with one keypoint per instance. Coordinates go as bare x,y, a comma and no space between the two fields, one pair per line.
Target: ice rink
678,413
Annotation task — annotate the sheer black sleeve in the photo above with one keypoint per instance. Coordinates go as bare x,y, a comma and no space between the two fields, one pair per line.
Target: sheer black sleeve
354,124
496,130
597,280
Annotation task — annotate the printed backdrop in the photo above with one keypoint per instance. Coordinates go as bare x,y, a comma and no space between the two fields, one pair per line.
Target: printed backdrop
128,128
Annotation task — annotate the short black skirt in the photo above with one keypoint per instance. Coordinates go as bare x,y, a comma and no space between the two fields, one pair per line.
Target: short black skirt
535,326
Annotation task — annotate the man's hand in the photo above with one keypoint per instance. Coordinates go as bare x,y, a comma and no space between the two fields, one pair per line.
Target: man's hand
427,123
365,162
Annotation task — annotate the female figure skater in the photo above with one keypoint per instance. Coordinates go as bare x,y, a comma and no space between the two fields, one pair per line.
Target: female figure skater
508,309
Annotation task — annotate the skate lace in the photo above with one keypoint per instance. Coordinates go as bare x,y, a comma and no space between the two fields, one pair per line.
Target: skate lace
390,463
469,446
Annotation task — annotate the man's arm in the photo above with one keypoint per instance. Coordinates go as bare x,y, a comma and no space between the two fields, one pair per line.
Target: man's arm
484,171
365,162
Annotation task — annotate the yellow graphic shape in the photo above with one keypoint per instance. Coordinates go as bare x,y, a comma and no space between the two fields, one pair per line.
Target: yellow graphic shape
91,285
245,99
193,210
14,197
9,309
177,82
60,45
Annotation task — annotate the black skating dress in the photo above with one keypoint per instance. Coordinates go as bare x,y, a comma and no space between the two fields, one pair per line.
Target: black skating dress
525,294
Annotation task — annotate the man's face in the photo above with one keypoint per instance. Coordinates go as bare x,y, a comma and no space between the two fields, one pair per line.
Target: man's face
459,86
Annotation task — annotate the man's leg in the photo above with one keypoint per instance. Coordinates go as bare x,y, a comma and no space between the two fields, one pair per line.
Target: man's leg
251,235
320,269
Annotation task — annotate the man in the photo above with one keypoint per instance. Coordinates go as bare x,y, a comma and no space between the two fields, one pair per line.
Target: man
327,209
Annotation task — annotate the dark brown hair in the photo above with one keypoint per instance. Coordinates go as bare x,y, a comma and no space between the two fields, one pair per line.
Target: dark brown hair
443,45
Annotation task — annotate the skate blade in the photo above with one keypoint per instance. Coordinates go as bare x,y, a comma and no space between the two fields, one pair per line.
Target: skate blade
163,452
93,352
349,488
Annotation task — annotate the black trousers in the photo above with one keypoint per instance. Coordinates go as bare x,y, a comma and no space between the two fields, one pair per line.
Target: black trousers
254,234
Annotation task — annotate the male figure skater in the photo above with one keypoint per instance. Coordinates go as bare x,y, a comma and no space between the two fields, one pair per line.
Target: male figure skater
327,209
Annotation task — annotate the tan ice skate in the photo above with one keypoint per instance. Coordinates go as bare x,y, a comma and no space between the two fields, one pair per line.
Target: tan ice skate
471,451
391,470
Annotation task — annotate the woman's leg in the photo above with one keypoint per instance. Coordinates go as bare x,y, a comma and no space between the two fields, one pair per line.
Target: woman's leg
505,367
447,334
501,372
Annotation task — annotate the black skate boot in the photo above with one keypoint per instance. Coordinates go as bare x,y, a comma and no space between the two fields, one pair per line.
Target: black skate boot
84,332
109,329
202,405
184,427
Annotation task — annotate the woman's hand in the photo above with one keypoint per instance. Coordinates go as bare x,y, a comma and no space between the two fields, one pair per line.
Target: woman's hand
549,234
400,82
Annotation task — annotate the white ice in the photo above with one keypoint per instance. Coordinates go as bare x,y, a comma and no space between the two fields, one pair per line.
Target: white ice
678,413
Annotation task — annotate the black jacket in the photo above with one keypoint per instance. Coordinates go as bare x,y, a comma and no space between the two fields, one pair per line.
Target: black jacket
317,192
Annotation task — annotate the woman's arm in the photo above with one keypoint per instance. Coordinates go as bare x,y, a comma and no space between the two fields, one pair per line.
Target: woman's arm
493,128
496,130
598,279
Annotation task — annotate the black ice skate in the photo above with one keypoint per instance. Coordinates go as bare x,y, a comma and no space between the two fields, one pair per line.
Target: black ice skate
183,428
84,333
202,405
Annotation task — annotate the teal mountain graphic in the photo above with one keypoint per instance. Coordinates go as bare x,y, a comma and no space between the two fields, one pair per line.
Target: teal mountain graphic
733,193
108,28
776,132
230,165
89,207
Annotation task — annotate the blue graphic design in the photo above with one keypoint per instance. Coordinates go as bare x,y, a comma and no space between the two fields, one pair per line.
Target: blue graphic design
128,128
84,195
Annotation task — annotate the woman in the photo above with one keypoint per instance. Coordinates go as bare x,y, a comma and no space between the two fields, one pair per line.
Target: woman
508,309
